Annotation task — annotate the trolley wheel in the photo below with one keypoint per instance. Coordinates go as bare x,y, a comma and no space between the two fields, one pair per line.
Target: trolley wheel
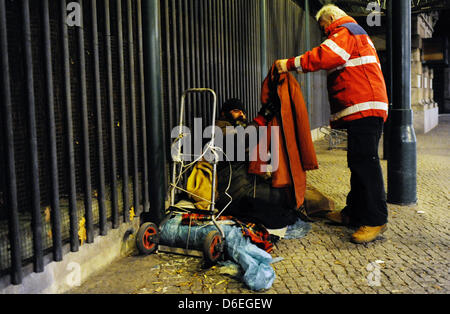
212,247
147,238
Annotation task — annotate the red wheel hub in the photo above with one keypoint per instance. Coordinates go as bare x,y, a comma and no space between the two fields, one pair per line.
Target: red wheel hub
215,253
148,237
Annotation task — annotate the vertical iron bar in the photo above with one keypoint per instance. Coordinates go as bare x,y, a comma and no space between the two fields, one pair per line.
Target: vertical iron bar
32,137
133,107
246,44
180,43
388,76
238,50
257,57
112,140
199,58
223,63
157,156
187,40
143,110
169,78
74,244
184,51
212,39
228,58
195,54
206,62
123,123
233,46
11,182
252,61
263,31
189,43
218,36
98,106
243,25
174,57
85,136
56,214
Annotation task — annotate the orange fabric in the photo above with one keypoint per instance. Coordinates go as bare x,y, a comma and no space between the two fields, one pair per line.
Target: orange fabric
296,153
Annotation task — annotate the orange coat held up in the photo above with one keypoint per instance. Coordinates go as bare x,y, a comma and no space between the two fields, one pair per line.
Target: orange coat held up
295,150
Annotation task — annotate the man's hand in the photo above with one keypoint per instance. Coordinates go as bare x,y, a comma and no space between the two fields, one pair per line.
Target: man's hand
281,65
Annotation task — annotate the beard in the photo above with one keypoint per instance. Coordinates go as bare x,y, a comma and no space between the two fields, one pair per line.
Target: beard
241,121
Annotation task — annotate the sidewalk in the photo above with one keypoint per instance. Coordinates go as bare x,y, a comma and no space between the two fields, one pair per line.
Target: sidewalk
411,257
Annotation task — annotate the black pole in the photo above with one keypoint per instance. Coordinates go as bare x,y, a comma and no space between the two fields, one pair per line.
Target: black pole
38,256
11,182
85,129
112,139
56,214
402,163
74,242
123,122
157,155
388,77
134,141
143,109
98,107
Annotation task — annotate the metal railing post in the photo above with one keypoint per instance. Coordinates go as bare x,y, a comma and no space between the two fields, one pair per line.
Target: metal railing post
152,68
38,256
11,181
402,162
55,208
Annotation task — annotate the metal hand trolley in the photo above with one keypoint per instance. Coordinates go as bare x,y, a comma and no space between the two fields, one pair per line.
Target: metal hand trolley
148,236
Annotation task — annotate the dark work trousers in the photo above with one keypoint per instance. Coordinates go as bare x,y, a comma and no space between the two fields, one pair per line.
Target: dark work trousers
366,202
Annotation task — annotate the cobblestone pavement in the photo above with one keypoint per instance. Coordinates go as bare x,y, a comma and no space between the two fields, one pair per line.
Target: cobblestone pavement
411,257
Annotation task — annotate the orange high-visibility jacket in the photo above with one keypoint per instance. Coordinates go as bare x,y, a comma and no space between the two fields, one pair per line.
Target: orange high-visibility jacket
356,86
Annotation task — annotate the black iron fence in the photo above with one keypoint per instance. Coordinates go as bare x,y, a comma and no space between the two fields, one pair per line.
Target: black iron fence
73,142
229,46
74,137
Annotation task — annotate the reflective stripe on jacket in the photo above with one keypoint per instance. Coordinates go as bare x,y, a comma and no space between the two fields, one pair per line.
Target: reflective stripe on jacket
356,86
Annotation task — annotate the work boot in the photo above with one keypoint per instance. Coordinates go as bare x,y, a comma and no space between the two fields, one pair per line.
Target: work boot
367,234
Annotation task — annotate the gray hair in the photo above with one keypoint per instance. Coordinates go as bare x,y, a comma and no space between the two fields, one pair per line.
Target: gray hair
330,10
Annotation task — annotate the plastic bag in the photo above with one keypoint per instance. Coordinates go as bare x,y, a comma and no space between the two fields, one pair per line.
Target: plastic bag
258,274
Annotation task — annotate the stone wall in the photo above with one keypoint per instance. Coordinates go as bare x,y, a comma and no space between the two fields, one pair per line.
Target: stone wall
426,111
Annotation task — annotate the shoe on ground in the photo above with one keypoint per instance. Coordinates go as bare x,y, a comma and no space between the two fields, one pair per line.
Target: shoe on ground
337,217
366,234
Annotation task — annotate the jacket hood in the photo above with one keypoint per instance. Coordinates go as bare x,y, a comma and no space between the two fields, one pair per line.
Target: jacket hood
343,20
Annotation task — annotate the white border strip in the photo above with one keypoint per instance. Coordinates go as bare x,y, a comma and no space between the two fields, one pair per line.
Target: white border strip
375,105
336,49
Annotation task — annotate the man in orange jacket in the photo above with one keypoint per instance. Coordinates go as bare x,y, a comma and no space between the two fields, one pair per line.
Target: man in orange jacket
358,103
